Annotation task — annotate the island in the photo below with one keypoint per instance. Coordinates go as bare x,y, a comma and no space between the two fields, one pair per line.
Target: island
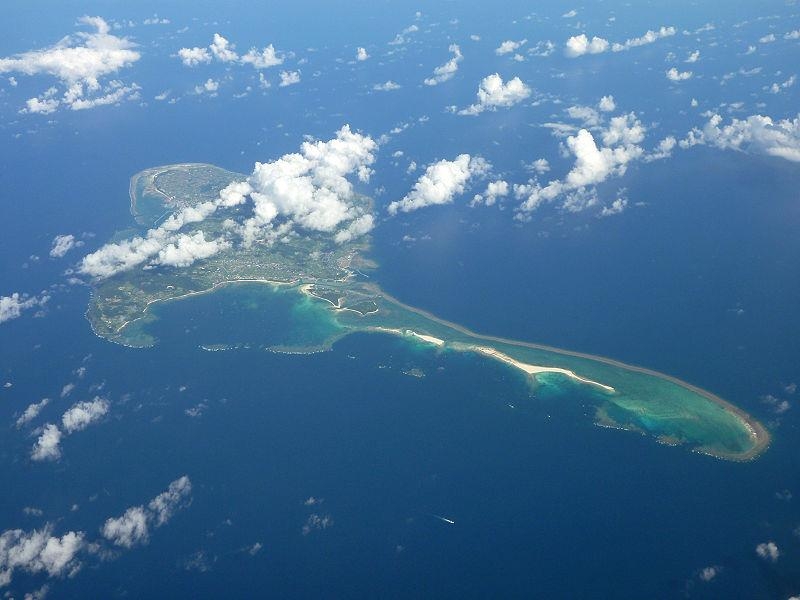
334,283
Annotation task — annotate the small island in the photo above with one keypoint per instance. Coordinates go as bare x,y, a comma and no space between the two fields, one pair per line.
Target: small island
330,278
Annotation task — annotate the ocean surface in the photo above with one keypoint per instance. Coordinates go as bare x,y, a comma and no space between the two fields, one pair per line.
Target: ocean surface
697,279
541,498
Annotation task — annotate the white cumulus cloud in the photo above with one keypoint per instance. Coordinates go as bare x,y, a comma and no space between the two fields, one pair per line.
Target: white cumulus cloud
114,93
222,50
648,38
588,115
663,149
128,530
578,45
446,71
82,414
41,106
83,57
615,208
48,446
777,88
593,164
189,248
79,62
542,49
768,551
308,191
709,573
63,244
509,46
33,410
39,551
191,57
607,104
289,78
387,86
674,75
211,86
12,307
402,37
316,522
440,183
164,506
493,94
262,59
133,527
311,189
756,133
494,190
154,20
78,417
358,227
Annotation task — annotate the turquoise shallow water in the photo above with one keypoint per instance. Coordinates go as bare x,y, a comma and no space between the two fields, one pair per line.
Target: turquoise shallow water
283,319
536,490
254,314
699,281
516,467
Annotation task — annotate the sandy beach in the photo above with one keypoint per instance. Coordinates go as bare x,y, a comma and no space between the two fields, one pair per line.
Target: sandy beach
756,430
428,338
200,293
534,369
497,355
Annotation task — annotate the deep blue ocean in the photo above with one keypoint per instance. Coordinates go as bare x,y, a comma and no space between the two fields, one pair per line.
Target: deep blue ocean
699,278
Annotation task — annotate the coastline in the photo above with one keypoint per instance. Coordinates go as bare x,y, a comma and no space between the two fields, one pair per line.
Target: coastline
760,435
527,368
154,172
535,369
195,293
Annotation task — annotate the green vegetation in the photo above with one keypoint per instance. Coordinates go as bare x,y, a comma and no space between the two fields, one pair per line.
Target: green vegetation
118,301
331,302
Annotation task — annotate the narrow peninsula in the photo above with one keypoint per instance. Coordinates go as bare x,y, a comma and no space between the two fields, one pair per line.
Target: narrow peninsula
328,277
